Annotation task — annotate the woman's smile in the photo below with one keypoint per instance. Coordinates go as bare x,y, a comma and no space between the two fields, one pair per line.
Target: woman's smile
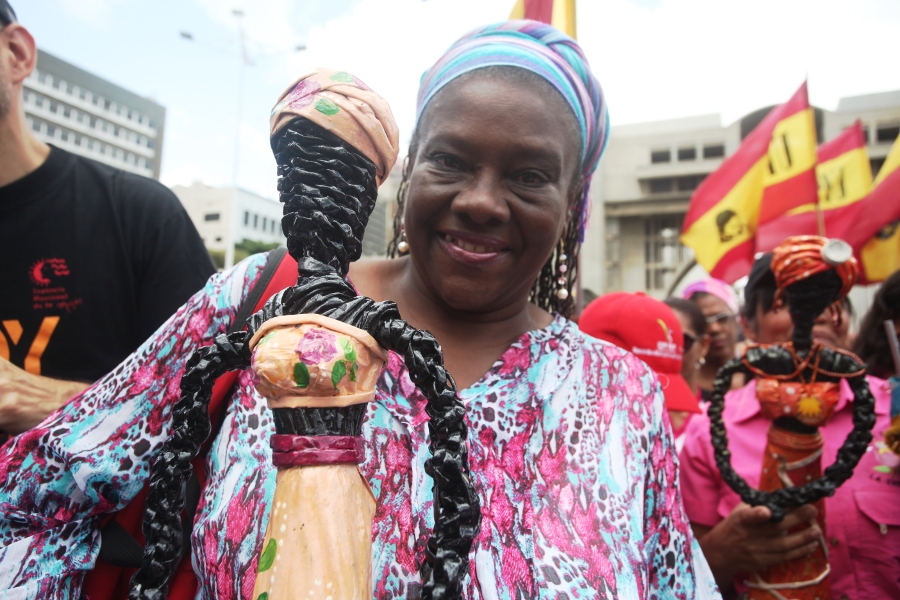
472,249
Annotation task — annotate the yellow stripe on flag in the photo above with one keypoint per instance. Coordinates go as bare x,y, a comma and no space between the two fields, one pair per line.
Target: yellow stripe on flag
732,222
845,179
564,16
891,162
881,254
518,11
793,147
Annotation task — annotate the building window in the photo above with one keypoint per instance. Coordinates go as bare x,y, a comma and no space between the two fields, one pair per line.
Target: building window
264,223
218,238
272,225
67,112
64,135
714,151
211,217
255,221
35,125
82,94
687,154
663,253
688,183
246,218
51,130
661,185
887,133
42,77
660,156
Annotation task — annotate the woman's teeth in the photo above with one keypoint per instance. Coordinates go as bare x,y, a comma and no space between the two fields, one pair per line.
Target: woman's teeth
469,247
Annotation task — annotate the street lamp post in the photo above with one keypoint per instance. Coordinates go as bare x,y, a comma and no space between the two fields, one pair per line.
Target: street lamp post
245,62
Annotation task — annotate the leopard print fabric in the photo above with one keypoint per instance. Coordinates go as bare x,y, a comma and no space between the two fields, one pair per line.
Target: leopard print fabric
569,450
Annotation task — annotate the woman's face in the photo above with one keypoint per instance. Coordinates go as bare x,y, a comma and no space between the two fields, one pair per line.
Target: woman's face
776,327
489,191
699,344
722,328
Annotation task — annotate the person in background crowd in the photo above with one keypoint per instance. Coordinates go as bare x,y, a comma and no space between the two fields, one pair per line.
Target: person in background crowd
763,325
872,341
719,305
696,341
94,258
862,520
651,331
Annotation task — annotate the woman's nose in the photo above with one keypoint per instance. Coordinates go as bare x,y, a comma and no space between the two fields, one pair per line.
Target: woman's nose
483,199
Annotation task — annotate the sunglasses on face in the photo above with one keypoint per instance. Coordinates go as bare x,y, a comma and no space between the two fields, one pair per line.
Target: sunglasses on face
689,341
721,318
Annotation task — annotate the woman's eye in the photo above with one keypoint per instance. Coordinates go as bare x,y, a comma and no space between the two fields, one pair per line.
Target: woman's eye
531,178
446,161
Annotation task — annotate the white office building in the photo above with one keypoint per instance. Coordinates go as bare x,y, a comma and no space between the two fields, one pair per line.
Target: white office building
226,214
85,114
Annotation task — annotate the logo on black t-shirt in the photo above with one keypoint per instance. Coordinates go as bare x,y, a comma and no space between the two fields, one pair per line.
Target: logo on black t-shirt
45,267
50,291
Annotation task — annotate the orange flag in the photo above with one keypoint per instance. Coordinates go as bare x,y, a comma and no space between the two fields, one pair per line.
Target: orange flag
559,13
771,173
844,177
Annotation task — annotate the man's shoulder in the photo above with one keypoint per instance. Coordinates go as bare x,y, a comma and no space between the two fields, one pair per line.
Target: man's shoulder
130,186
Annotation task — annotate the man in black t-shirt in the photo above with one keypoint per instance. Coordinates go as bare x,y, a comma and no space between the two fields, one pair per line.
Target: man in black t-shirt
93,259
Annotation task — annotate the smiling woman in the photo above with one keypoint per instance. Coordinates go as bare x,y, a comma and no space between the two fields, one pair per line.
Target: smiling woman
569,453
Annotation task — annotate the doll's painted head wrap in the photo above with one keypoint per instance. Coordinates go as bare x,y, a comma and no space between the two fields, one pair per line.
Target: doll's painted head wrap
342,104
545,51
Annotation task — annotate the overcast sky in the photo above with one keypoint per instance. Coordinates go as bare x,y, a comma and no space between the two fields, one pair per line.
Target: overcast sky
656,59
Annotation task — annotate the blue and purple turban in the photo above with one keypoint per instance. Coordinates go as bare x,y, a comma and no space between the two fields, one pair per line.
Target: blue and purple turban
545,51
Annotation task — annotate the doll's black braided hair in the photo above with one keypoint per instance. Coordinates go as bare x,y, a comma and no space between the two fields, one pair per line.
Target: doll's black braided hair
328,189
806,300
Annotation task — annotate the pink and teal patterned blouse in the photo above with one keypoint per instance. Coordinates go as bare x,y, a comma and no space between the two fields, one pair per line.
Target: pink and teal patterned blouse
570,453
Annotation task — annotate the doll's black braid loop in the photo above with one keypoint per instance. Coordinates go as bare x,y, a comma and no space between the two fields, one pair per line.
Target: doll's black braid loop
329,190
813,295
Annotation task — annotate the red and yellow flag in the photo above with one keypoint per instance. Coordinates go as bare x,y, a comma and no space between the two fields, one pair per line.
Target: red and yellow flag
881,207
844,177
771,173
880,256
559,13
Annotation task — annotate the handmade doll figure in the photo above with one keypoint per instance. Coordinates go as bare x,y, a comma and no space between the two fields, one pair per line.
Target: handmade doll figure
334,140
797,389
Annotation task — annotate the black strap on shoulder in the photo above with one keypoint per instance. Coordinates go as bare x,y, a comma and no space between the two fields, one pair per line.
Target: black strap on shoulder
117,546
259,288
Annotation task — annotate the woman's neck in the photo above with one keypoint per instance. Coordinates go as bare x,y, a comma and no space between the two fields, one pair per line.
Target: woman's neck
471,341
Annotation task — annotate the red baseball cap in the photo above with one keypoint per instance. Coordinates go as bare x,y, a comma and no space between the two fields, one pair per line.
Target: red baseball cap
648,329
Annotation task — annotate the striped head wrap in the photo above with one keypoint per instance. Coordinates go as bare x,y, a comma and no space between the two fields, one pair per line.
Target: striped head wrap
545,51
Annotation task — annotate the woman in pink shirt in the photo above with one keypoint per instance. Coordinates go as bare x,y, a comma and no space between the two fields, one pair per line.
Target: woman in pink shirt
862,523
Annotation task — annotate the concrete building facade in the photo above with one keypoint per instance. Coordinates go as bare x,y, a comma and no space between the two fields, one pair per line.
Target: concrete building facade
85,114
650,170
229,214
